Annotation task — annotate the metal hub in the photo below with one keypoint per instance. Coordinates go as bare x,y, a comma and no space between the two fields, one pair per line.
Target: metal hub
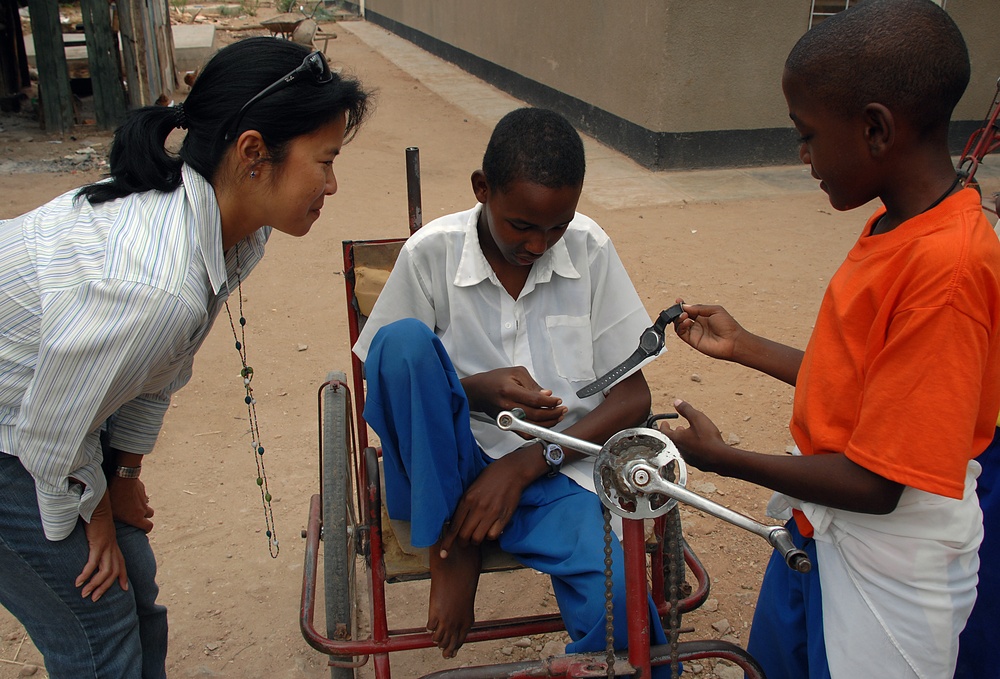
626,465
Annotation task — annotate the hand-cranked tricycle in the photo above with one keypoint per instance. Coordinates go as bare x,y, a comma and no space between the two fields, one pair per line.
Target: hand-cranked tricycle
639,475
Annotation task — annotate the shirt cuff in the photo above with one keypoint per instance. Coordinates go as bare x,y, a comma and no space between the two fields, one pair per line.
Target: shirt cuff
136,425
60,507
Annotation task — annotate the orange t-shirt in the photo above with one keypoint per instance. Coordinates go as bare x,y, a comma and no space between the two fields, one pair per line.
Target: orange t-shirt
902,372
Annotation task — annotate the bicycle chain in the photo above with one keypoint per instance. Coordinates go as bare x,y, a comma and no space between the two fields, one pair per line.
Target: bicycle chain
673,544
609,615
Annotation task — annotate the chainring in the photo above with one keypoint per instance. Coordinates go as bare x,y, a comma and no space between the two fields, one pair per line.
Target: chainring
631,452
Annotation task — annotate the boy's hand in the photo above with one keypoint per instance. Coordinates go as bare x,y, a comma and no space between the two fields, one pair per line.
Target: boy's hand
700,444
105,563
487,505
709,329
502,389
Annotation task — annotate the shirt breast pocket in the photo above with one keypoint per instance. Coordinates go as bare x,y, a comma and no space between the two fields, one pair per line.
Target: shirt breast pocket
571,344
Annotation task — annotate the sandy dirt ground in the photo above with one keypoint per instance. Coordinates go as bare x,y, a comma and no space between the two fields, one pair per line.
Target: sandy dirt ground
233,609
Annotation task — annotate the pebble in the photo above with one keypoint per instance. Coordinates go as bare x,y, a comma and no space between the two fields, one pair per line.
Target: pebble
733,440
721,626
28,671
695,377
711,605
728,672
705,487
202,671
553,648
523,642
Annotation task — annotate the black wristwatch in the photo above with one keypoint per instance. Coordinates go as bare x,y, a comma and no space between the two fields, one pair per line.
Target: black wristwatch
554,457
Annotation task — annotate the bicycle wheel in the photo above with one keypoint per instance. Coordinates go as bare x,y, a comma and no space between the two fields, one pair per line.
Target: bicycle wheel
338,522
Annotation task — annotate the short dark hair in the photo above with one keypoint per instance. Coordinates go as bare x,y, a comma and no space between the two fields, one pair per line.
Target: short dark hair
139,161
905,54
534,145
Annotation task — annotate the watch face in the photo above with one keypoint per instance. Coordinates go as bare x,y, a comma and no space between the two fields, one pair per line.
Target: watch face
554,454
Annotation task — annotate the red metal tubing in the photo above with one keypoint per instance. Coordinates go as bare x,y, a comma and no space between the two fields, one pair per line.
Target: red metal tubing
353,331
384,640
636,595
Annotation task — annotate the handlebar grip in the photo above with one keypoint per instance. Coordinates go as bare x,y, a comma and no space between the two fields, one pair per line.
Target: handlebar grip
796,559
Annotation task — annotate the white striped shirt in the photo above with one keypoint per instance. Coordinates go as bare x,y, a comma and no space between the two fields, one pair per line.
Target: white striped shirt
102,308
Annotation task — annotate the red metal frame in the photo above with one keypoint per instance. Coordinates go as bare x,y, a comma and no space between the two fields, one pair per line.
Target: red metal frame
982,142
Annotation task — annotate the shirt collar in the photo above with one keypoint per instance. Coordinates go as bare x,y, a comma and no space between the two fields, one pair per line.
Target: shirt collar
208,225
473,267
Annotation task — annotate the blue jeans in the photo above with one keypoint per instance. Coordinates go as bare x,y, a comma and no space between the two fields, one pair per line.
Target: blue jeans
418,407
123,634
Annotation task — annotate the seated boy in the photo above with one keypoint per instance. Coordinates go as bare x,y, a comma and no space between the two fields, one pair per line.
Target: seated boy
516,303
899,387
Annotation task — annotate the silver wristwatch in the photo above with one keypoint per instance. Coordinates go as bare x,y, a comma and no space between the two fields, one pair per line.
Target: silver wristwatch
128,472
554,457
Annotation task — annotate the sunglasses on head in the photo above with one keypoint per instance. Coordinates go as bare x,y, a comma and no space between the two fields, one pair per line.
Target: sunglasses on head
314,65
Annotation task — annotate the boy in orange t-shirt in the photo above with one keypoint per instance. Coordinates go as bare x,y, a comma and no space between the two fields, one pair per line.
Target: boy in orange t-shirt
884,499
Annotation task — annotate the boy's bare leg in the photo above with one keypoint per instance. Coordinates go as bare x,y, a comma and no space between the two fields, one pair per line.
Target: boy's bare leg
454,580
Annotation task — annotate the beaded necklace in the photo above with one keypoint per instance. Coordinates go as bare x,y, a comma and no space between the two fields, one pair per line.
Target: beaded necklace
256,446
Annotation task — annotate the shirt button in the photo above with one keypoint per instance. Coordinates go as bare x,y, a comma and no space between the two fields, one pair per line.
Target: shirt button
507,325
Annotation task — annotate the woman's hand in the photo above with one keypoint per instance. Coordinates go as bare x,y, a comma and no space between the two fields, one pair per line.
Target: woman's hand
130,504
709,329
502,389
105,563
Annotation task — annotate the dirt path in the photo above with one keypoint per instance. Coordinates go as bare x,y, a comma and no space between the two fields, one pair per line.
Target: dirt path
233,609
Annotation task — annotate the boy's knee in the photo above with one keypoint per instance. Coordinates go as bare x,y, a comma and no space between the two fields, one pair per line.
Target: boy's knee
398,335
400,342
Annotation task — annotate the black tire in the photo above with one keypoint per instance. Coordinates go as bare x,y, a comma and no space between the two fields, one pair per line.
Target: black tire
338,522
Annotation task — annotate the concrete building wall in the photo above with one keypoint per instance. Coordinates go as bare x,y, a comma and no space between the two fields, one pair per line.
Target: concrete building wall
673,83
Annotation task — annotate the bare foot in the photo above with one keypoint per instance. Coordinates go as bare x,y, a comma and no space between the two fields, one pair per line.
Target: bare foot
451,610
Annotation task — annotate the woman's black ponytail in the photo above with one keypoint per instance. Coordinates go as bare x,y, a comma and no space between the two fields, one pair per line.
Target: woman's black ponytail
139,160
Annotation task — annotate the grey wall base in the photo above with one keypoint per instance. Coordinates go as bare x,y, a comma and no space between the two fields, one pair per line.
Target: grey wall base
651,149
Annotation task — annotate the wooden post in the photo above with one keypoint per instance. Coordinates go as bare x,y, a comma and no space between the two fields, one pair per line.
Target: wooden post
53,75
160,16
105,64
147,50
133,35
13,59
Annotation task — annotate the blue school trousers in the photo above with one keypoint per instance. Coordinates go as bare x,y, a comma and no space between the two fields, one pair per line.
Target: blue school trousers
977,643
786,636
417,406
